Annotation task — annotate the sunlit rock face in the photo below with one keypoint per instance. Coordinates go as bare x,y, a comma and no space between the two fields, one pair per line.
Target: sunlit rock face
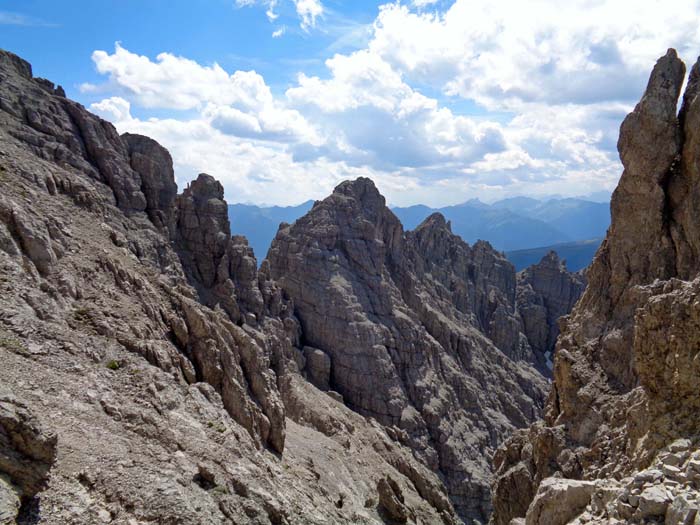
622,412
412,323
150,373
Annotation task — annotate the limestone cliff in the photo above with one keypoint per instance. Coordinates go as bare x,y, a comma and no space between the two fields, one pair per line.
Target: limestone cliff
411,323
150,373
547,291
622,413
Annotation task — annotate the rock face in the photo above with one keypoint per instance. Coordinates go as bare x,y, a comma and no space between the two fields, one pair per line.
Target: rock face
152,373
412,322
626,377
546,292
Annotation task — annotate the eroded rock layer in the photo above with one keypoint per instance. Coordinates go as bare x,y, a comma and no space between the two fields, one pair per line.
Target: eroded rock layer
622,413
421,331
547,291
150,373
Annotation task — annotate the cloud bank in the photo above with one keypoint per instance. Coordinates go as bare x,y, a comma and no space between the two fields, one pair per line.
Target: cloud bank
441,106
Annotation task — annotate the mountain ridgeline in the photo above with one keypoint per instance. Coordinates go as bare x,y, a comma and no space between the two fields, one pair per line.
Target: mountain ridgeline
620,438
526,229
153,372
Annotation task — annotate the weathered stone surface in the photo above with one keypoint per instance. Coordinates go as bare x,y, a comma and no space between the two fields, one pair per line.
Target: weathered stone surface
404,317
168,403
27,452
155,167
625,370
391,500
9,501
318,367
558,501
682,511
546,292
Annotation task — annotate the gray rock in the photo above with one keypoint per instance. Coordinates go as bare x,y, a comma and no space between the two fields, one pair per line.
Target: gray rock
27,452
653,501
409,320
547,291
624,371
141,392
318,367
681,511
392,500
155,167
9,501
558,501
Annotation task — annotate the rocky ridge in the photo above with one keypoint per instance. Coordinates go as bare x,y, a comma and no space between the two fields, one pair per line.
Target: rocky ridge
417,330
152,371
546,292
155,374
619,439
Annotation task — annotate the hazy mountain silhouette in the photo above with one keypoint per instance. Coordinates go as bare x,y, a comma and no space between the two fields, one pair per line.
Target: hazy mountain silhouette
513,224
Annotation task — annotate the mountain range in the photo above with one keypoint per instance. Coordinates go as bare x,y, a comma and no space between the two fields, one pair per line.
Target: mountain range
513,224
364,373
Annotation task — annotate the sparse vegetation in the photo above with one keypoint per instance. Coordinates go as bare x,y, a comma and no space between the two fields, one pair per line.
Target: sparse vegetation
220,490
13,344
82,314
113,365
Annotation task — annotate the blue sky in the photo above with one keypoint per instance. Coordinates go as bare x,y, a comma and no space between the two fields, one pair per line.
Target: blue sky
58,38
437,101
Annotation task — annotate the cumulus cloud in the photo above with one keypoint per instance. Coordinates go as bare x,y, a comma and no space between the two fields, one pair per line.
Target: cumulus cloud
114,109
503,54
440,106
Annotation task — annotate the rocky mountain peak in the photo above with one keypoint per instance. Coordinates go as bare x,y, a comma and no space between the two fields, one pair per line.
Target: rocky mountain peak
625,392
17,65
204,188
434,222
410,325
363,189
136,333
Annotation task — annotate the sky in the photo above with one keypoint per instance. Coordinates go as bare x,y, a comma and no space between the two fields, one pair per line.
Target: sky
437,101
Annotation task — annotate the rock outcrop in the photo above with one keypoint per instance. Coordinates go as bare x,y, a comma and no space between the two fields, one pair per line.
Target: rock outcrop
546,292
153,373
412,322
626,380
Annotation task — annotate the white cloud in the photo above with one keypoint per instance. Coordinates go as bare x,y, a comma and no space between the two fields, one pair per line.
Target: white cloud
506,53
308,11
114,109
481,99
279,32
424,3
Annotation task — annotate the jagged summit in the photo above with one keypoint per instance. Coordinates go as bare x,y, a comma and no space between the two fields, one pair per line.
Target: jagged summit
433,222
205,187
420,331
136,333
154,374
623,406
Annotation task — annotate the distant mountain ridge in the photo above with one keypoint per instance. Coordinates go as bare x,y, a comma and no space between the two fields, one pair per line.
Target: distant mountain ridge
260,224
577,254
509,225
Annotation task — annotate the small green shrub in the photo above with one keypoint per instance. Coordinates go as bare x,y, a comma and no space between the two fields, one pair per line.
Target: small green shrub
113,365
82,314
220,490
11,343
